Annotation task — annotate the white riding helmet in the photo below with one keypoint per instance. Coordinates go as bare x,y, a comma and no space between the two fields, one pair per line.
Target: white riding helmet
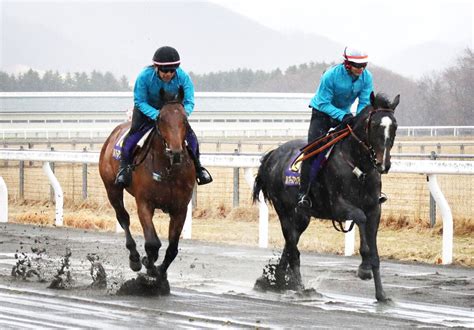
355,55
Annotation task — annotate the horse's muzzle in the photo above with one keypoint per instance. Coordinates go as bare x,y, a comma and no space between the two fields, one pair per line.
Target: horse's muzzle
383,168
175,157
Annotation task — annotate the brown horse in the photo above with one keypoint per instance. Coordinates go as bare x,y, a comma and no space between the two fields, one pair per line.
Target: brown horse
163,178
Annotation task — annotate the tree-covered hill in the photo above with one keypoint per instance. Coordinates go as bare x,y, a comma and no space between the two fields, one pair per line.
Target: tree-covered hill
445,98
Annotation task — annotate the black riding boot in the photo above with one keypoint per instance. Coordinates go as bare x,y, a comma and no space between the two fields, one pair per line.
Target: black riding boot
124,174
202,175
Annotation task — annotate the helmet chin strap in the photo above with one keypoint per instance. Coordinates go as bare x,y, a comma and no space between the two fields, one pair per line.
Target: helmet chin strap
346,62
347,65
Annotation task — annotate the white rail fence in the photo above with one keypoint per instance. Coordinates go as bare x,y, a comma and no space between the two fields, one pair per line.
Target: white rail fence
249,163
88,131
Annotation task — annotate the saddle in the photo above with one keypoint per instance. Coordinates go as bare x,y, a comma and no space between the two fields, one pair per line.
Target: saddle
320,148
293,170
138,139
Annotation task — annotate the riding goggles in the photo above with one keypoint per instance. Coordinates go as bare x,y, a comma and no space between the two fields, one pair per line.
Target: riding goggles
357,65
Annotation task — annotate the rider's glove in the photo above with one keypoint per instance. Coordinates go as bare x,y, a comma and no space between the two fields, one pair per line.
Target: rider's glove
347,119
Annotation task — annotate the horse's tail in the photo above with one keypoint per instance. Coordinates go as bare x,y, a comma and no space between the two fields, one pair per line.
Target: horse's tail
259,184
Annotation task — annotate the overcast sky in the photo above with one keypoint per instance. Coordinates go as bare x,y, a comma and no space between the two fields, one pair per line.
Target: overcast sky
386,29
374,25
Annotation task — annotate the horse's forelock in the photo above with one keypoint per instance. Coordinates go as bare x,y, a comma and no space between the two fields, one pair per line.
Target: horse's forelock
381,101
168,97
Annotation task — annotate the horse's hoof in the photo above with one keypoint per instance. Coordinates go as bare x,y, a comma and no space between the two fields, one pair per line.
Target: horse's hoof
364,274
382,297
135,265
153,272
262,284
165,287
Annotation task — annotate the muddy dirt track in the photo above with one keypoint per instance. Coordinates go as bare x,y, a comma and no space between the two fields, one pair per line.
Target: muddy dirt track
212,286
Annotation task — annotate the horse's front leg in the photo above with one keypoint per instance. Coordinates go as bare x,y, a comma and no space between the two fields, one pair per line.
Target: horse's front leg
373,221
350,212
177,218
152,242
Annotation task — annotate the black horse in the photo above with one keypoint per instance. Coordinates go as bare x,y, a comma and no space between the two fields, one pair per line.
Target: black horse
347,187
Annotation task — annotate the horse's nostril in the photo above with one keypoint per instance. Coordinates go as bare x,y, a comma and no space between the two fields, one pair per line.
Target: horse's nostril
176,158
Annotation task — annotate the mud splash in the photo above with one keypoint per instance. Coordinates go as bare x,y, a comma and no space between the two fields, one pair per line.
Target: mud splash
29,266
97,272
63,277
144,286
275,280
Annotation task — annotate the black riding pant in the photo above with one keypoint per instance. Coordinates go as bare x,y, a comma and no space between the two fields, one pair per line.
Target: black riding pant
319,125
140,121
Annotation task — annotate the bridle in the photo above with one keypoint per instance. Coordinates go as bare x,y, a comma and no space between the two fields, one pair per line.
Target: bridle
158,132
365,144
369,149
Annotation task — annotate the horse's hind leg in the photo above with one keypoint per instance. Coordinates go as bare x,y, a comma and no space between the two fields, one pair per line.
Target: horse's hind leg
115,196
293,225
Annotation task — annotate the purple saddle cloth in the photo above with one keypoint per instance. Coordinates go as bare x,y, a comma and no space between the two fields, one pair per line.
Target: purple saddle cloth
293,171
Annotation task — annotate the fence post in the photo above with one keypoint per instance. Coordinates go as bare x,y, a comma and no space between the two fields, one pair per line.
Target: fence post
262,212
194,198
3,201
188,222
51,188
21,183
447,216
84,178
433,156
235,201
58,193
349,239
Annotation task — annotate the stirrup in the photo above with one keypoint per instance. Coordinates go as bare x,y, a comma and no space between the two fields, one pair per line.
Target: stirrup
203,176
304,202
383,198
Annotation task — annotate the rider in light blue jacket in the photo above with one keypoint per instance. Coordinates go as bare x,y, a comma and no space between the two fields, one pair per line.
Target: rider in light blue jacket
164,73
338,89
147,91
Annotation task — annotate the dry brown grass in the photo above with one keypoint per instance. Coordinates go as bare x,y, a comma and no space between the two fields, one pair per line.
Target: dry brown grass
399,238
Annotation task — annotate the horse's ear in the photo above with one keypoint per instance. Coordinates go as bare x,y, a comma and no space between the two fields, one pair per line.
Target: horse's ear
372,98
395,102
162,93
181,93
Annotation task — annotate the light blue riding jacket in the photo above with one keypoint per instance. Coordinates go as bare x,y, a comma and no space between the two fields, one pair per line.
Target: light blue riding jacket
338,90
146,92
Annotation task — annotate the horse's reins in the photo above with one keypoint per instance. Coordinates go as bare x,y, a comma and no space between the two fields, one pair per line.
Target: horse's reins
339,136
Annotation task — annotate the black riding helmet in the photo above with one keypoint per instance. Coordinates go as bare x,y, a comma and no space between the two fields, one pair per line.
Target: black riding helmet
166,58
